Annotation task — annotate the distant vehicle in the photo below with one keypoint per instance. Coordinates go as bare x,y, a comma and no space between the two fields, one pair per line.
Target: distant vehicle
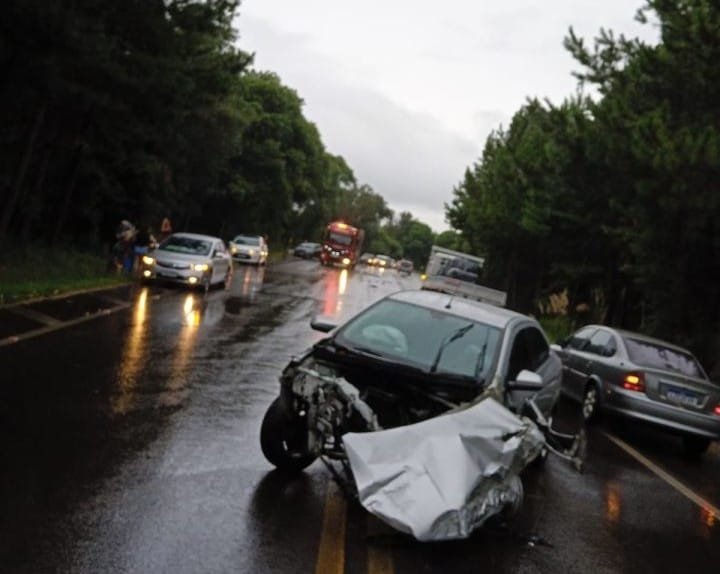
642,378
366,259
249,249
307,250
341,244
190,259
458,273
383,261
405,267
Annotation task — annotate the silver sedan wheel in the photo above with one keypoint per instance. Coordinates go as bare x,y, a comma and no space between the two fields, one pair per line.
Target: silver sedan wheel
590,403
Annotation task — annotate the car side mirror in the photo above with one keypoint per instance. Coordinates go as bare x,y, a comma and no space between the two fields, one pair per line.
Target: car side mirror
322,324
555,347
526,381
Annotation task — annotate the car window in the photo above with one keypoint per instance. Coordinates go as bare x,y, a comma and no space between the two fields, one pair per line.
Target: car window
424,338
602,343
657,356
580,338
529,351
340,239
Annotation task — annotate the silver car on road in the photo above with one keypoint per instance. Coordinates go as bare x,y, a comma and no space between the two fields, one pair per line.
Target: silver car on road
188,258
643,378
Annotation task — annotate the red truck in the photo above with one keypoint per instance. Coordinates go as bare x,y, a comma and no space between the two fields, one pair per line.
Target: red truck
341,244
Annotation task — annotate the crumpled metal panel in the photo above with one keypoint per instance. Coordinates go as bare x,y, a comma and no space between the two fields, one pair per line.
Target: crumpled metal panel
442,478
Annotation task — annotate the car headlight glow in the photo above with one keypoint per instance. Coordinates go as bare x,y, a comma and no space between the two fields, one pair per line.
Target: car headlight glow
147,260
201,267
233,248
346,261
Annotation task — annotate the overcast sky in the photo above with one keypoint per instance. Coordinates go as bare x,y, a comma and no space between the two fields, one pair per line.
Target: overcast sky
407,91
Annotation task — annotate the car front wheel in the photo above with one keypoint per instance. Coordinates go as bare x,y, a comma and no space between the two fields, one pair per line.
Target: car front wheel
283,440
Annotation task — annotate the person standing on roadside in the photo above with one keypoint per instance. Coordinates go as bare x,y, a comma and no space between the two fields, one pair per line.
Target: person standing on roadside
165,229
125,246
144,242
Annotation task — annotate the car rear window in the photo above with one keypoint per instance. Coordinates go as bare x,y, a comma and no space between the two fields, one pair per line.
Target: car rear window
657,356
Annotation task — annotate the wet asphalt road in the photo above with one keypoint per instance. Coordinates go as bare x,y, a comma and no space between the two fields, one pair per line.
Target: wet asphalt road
130,444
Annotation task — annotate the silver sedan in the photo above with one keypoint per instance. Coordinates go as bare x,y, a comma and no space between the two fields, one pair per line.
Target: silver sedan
643,378
189,258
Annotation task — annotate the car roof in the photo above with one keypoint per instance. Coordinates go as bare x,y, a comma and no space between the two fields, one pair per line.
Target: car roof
460,306
248,235
640,337
196,236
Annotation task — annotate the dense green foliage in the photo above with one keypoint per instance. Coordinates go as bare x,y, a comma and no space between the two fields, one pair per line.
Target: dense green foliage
143,109
615,199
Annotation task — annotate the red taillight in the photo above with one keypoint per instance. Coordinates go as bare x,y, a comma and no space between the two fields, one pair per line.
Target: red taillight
634,382
717,410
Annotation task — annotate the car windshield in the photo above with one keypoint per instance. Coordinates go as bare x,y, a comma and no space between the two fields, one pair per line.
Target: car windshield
339,238
188,245
657,356
431,340
245,240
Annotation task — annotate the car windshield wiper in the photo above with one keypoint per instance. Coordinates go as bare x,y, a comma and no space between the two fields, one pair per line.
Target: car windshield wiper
454,336
360,350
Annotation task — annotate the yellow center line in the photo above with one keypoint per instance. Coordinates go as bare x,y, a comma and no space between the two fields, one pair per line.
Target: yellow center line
331,554
379,557
671,480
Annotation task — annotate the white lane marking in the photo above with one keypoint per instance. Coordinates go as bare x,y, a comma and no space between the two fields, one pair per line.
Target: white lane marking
671,480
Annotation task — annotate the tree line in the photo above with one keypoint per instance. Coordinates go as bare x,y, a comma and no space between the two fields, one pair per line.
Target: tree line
614,198
144,109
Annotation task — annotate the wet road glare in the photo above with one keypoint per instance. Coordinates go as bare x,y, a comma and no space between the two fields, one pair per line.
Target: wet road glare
130,444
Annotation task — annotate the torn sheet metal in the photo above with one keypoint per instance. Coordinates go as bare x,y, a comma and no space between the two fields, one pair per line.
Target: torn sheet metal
441,478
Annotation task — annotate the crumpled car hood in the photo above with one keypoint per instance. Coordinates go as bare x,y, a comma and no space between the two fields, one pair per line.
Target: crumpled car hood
441,478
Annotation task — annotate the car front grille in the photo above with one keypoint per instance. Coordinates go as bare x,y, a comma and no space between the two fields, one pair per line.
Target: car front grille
170,265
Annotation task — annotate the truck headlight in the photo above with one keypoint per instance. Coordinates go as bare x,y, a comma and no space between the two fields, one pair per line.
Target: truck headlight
201,267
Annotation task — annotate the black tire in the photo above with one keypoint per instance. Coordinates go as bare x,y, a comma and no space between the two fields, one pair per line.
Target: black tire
277,436
695,445
590,406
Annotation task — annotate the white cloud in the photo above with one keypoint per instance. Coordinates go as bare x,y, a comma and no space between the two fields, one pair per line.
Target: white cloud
408,90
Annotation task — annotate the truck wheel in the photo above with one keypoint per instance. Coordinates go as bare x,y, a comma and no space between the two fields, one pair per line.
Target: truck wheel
282,442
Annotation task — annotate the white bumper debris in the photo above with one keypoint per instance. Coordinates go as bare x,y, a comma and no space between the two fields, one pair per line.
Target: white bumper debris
441,478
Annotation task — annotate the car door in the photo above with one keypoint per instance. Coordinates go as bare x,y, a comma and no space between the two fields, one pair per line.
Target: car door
573,378
598,358
530,351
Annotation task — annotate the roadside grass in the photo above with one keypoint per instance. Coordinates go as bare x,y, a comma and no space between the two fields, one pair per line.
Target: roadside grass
557,327
35,271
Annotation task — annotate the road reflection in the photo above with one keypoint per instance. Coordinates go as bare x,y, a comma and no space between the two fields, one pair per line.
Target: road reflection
246,285
133,356
613,503
334,288
193,307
